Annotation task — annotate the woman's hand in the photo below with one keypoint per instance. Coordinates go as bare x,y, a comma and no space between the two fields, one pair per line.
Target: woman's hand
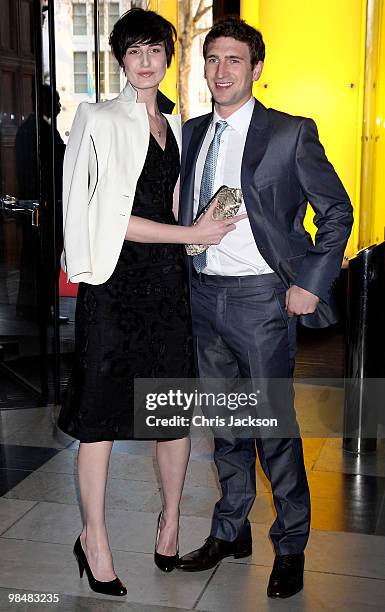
206,231
211,231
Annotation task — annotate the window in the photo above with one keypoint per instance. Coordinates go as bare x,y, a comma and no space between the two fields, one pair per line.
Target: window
114,74
101,17
80,72
79,20
113,15
102,72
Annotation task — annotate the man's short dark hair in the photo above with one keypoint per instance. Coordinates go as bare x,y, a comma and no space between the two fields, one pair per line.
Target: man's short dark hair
138,26
240,30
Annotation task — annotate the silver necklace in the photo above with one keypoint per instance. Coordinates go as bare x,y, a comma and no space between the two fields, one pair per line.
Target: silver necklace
154,123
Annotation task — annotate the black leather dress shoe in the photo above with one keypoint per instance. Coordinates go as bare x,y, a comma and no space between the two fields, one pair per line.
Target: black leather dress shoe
286,579
213,551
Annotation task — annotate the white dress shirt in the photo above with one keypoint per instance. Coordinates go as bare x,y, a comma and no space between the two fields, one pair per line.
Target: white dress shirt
237,254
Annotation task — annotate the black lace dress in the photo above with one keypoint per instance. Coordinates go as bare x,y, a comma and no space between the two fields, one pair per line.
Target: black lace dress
137,324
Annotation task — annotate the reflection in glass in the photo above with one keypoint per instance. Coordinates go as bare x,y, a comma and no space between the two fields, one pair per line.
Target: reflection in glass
75,55
113,14
79,19
101,17
80,72
22,305
113,74
102,82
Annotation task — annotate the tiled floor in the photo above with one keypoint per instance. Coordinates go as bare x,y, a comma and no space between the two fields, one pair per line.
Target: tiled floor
40,520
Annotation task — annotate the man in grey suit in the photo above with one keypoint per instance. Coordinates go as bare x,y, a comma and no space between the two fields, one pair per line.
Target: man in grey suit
248,291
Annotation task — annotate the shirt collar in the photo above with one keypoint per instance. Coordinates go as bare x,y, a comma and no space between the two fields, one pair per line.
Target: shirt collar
240,119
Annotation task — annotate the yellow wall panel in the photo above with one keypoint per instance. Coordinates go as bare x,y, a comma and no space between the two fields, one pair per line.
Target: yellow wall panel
314,67
372,218
169,10
249,11
379,179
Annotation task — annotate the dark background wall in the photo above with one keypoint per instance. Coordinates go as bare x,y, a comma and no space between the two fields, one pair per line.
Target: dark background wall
222,8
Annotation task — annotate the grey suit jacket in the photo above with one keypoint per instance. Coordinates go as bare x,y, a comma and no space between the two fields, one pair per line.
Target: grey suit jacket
283,167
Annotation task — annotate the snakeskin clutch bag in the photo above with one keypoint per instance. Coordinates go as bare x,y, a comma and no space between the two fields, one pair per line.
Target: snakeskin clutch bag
229,203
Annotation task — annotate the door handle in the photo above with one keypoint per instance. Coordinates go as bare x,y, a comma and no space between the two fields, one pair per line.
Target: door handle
12,204
7,201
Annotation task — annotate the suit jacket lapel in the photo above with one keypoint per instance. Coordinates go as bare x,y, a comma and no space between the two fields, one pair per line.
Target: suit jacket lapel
257,140
255,146
188,179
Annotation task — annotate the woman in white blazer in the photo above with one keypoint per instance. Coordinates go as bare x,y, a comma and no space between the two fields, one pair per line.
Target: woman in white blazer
122,244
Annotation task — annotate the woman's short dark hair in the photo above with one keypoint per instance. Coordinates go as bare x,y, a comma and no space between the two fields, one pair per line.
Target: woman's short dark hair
240,30
138,26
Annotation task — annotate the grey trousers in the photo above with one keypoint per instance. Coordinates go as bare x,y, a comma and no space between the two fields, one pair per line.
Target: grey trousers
241,330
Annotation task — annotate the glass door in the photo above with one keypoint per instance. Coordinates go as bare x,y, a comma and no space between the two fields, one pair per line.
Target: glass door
24,304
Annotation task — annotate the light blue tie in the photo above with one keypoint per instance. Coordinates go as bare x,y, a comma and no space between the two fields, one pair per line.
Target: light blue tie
207,184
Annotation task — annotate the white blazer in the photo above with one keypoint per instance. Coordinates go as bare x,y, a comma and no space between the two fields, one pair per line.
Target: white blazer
104,158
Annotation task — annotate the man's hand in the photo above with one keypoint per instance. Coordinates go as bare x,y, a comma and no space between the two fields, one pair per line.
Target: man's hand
300,301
